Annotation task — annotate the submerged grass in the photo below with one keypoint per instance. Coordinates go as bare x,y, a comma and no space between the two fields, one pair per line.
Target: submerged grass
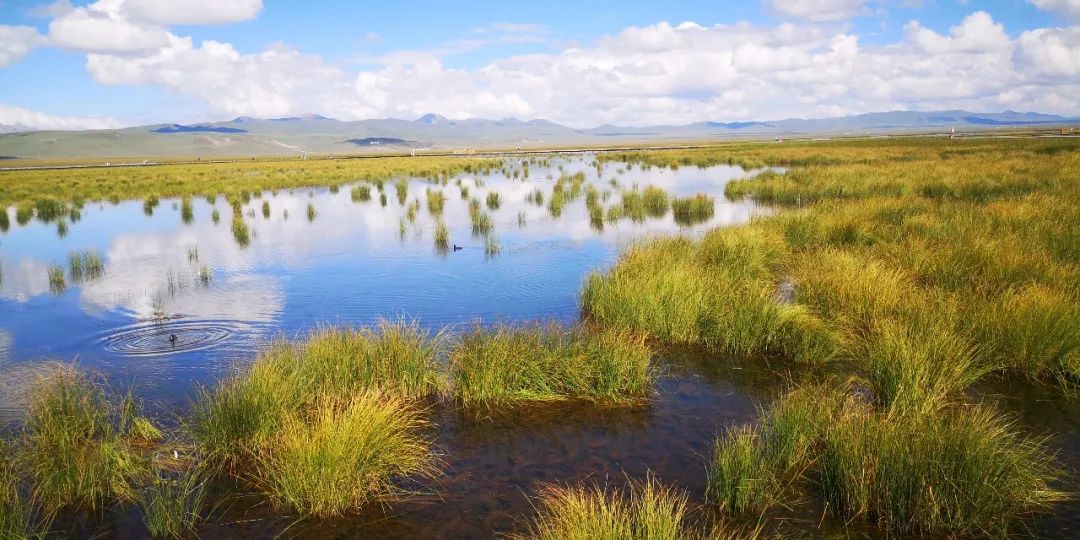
506,365
173,502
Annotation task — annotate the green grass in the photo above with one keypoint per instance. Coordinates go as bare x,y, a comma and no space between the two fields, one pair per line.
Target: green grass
491,246
240,231
76,452
215,216
187,210
5,221
692,210
361,193
645,511
311,212
266,209
57,283
506,365
436,201
493,200
340,455
442,237
655,200
401,187
25,188
85,265
235,419
173,503
18,517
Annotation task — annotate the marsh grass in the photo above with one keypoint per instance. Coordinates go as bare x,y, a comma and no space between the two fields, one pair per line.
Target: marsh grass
693,210
235,419
401,187
436,201
5,221
493,200
149,204
361,193
491,246
61,228
173,503
442,237
502,365
76,452
655,201
85,265
57,283
187,210
311,212
266,209
240,231
341,454
643,511
215,216
19,519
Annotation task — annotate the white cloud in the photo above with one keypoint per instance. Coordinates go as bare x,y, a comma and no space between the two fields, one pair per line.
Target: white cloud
657,74
16,42
817,10
1053,52
126,26
26,118
1069,9
171,12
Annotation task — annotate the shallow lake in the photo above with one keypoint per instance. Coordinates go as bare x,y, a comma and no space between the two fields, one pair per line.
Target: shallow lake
354,262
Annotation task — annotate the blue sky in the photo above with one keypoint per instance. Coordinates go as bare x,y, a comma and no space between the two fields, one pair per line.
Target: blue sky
398,59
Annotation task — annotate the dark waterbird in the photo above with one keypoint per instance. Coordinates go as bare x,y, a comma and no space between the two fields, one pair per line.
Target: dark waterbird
172,339
458,248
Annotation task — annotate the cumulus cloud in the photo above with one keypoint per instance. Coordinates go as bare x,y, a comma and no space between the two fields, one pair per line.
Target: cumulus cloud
654,74
127,26
817,10
27,119
16,42
1069,9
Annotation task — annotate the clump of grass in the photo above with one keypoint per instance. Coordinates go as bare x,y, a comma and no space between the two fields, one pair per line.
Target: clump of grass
76,453
49,209
655,201
382,199
436,200
402,189
61,228
361,193
235,419
311,213
57,283
481,223
491,246
187,210
505,365
5,221
633,205
692,210
172,504
645,511
343,454
149,204
18,517
240,232
493,200
84,265
266,209
965,470
556,202
205,275
442,237
215,216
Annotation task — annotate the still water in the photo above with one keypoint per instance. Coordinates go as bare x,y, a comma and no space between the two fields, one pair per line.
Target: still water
354,262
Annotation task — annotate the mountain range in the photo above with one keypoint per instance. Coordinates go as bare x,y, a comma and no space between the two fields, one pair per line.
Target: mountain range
244,136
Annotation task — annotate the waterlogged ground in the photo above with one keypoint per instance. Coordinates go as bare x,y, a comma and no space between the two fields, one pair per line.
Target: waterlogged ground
352,263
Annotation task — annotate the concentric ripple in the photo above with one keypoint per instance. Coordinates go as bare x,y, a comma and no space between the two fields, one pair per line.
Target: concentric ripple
156,339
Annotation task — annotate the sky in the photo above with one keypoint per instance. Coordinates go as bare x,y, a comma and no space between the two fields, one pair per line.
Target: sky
583,63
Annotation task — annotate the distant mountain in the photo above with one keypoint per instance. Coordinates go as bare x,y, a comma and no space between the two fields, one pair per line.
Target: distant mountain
248,136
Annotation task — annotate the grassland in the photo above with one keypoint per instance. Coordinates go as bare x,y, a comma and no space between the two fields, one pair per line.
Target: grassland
915,268
46,193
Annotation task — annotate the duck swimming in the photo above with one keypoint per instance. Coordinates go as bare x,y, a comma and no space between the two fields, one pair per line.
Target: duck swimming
172,339
458,248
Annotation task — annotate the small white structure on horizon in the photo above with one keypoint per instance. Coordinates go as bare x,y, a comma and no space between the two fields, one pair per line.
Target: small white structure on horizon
303,154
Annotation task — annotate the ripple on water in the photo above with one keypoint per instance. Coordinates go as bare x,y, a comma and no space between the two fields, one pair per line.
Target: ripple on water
155,338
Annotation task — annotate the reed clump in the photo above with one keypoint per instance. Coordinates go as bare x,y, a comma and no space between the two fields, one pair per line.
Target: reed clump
693,210
545,362
172,504
645,510
78,446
